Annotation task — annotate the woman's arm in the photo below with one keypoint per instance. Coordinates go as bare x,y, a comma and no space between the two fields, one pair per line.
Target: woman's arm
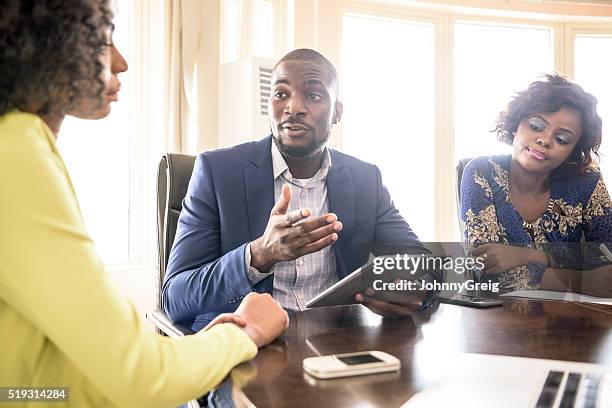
52,276
477,208
560,280
597,224
597,215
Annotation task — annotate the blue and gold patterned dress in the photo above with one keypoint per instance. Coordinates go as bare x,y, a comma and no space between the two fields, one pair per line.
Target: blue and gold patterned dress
578,207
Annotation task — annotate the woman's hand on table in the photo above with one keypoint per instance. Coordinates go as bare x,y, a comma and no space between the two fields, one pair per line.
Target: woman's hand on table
498,258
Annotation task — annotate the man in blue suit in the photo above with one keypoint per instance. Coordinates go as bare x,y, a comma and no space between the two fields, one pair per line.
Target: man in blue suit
285,215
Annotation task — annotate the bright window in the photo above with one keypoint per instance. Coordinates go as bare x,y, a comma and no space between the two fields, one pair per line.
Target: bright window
593,65
230,31
97,155
493,62
113,161
388,93
268,29
235,15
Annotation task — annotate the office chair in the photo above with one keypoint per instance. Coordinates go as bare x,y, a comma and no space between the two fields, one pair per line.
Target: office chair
173,174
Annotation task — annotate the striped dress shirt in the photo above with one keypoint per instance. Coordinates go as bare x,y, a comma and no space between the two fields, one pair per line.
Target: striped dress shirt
298,281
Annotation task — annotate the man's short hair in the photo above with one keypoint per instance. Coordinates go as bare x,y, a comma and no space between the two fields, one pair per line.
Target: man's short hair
308,55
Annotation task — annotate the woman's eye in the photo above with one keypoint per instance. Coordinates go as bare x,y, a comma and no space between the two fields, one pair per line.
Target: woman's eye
537,124
562,139
315,97
103,47
279,95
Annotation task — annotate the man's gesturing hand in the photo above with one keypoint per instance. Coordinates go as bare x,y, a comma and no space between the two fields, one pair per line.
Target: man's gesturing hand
285,239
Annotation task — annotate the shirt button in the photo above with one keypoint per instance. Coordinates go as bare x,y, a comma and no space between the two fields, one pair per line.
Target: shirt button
301,262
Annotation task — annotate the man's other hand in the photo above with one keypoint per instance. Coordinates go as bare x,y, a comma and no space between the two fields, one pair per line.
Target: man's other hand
397,306
286,238
265,318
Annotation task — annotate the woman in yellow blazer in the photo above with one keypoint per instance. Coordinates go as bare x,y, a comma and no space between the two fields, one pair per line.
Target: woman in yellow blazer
62,323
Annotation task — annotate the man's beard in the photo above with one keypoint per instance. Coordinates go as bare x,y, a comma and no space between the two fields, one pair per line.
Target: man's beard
300,151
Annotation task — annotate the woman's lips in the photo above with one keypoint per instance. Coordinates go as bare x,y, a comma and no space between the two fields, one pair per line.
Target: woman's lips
113,94
536,154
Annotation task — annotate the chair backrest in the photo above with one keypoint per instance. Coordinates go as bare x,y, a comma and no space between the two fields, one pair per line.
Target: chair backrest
459,172
173,175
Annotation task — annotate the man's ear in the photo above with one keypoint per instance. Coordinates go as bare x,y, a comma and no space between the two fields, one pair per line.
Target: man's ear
338,109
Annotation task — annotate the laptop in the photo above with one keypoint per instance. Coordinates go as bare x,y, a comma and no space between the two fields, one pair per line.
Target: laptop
490,381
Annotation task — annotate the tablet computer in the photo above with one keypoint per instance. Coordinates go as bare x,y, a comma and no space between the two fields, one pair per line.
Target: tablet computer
342,292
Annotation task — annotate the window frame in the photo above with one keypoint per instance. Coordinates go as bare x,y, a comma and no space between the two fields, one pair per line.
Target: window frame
571,31
441,149
563,29
145,137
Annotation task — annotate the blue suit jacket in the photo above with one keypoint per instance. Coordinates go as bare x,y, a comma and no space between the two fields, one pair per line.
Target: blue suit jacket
228,204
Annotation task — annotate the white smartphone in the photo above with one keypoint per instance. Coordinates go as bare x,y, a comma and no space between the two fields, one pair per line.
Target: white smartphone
345,365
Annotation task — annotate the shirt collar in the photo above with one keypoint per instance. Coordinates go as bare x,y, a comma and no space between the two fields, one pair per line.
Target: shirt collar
279,165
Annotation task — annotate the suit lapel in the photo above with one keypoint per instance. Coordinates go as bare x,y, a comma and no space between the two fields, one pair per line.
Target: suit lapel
259,187
341,194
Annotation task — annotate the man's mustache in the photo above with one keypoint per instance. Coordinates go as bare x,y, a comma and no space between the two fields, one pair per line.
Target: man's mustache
293,122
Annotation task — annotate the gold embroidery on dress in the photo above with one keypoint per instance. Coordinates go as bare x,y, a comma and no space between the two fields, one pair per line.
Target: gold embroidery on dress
598,203
483,227
539,230
518,278
593,166
482,182
570,216
501,176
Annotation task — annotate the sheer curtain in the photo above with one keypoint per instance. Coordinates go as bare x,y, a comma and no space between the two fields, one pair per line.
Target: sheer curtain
191,61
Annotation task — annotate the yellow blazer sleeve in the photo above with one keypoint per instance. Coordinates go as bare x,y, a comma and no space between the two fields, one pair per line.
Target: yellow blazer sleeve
50,273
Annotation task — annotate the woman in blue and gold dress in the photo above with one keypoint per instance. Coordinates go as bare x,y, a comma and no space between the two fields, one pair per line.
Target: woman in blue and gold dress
521,211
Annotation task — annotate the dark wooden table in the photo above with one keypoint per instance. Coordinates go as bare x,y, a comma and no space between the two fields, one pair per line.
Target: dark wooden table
521,327
602,308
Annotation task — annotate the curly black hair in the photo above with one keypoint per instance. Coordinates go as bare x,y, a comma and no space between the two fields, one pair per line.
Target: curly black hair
547,96
49,53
